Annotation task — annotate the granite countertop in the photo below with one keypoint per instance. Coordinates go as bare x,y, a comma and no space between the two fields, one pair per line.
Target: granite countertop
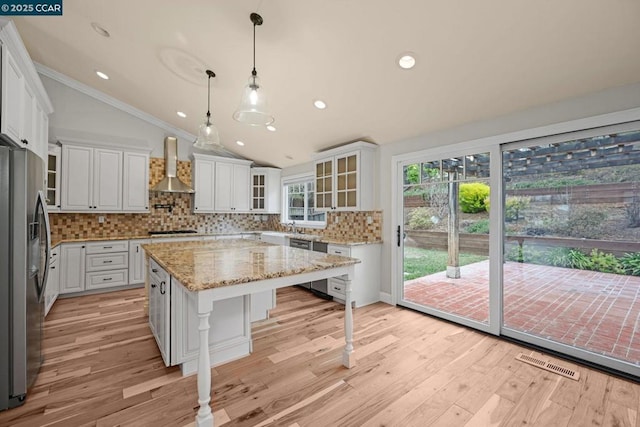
140,236
218,263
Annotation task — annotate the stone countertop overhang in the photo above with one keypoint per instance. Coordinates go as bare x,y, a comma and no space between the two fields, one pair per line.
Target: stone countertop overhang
212,264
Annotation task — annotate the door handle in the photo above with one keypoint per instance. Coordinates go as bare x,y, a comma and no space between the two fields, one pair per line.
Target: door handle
398,236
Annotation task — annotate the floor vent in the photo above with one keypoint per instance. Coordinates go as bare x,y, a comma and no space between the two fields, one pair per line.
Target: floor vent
549,366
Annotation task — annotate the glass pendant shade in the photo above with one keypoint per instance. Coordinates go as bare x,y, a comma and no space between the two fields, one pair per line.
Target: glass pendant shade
208,137
253,105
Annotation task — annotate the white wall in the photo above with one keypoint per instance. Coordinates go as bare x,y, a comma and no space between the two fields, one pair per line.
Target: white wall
81,116
609,101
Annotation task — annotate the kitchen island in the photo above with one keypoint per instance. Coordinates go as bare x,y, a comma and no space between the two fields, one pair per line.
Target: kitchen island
225,269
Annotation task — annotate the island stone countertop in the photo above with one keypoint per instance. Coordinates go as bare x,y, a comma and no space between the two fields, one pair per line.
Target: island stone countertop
212,264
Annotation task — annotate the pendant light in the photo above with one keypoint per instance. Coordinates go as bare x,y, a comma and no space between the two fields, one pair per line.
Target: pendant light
208,138
253,104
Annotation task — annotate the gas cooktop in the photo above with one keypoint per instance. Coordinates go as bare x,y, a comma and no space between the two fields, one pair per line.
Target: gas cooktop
173,232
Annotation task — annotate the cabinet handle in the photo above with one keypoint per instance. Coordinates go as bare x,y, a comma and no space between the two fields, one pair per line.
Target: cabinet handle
137,249
162,291
153,285
338,252
107,261
106,279
24,141
53,268
155,270
335,288
107,247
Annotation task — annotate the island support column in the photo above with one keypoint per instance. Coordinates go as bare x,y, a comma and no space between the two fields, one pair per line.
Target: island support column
348,358
205,416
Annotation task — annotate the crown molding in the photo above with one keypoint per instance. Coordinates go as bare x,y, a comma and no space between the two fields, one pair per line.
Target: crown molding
103,97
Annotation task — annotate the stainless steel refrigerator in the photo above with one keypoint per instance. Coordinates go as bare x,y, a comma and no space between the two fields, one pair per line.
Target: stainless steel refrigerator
24,262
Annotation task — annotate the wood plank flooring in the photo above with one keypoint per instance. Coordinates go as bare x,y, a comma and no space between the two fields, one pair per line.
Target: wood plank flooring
103,368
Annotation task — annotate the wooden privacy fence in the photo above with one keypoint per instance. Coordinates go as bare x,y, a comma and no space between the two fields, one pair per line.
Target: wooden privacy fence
479,243
623,192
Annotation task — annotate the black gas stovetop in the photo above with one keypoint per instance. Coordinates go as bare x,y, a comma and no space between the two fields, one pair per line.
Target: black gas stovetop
173,232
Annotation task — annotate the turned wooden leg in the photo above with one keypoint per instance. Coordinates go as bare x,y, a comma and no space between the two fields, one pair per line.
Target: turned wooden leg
348,358
204,417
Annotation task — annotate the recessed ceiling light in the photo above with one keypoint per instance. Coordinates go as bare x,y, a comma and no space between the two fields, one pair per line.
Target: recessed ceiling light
181,114
407,60
240,143
102,75
100,30
271,128
319,104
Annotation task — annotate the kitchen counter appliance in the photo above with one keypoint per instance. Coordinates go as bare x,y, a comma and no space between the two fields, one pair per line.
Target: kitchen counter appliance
25,246
318,287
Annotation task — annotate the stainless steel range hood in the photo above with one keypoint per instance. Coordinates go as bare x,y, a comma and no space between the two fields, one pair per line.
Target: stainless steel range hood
170,183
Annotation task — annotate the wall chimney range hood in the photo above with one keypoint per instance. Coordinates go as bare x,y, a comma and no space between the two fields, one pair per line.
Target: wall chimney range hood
170,183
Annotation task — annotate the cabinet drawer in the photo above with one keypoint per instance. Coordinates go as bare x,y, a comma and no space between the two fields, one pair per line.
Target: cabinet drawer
336,288
158,271
106,279
107,247
339,250
99,262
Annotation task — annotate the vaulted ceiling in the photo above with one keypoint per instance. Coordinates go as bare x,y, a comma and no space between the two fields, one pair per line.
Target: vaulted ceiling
475,60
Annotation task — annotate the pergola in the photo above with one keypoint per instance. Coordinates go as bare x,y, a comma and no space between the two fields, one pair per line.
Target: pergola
563,157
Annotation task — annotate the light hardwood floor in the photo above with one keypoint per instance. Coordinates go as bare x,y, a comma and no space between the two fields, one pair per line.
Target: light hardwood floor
103,368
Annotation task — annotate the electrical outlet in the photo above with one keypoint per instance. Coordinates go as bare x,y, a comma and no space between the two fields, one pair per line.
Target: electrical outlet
101,219
369,219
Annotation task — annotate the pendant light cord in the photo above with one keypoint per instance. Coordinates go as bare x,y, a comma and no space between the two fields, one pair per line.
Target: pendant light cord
254,72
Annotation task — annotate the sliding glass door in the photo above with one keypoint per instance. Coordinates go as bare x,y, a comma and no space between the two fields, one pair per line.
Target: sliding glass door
538,240
572,245
445,245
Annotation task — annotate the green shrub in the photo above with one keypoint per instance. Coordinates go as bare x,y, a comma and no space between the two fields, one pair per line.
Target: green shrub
513,206
579,260
472,197
606,263
559,257
631,263
478,227
420,219
526,254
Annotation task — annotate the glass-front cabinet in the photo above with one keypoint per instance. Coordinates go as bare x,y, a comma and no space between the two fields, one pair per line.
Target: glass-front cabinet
53,178
265,190
344,177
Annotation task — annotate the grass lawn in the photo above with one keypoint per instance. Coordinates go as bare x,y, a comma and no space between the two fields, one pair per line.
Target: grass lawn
422,262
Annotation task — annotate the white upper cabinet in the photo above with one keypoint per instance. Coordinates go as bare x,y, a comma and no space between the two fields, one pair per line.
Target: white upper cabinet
266,190
232,186
12,94
203,173
135,186
77,178
221,184
97,179
107,180
344,178
24,102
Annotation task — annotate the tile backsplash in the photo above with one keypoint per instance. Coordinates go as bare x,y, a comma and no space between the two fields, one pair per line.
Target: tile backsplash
356,226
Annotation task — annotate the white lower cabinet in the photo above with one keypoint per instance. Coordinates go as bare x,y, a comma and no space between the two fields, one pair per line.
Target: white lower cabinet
72,267
173,319
93,266
365,283
137,269
53,280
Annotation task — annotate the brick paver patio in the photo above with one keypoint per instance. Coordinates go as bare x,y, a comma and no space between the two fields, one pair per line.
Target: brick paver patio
591,310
